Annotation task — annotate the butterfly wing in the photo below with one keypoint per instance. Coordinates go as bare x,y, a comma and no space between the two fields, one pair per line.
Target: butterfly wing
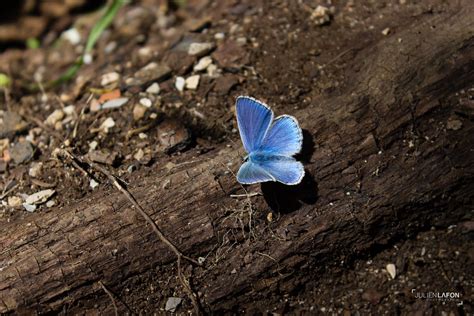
254,119
284,137
283,169
250,173
271,168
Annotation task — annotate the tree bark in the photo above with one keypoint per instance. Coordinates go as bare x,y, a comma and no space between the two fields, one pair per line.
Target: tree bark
380,164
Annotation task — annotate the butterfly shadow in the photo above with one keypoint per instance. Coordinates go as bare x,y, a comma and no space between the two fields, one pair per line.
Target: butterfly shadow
289,198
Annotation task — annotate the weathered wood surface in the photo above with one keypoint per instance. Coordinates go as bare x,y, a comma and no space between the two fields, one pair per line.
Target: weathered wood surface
383,165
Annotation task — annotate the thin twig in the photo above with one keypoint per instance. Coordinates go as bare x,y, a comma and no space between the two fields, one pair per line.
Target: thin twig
142,212
187,288
111,296
4,194
162,237
245,195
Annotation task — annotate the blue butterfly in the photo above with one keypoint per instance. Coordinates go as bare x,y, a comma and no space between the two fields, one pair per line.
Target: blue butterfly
270,144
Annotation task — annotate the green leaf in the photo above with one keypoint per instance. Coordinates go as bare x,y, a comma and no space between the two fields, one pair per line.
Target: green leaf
94,35
5,81
33,43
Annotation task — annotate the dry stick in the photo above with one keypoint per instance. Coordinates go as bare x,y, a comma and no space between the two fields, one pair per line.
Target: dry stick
163,238
111,296
187,288
142,212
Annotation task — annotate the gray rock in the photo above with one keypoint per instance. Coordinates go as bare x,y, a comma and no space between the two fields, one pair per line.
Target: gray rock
10,124
172,303
30,208
22,152
149,73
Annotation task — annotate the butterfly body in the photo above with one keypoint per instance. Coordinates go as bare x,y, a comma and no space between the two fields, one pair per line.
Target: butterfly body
270,144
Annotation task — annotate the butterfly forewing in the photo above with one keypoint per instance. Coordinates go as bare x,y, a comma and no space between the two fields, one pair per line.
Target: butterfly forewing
254,119
284,137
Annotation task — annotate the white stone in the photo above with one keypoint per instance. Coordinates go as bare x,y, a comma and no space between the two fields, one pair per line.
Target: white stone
87,59
391,270
199,48
213,71
145,102
69,110
55,117
203,63
109,78
39,197
93,145
35,169
72,36
192,82
93,184
179,84
14,201
172,303
107,124
154,88
219,36
30,208
113,104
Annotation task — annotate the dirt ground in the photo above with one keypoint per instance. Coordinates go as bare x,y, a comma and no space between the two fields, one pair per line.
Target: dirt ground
288,53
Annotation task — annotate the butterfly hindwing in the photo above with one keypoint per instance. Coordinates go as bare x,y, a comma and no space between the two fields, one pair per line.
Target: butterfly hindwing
250,173
284,137
254,119
282,169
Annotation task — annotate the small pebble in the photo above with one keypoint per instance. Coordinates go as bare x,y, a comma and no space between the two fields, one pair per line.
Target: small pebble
87,59
391,270
69,110
219,36
39,197
139,154
179,84
321,15
142,135
109,78
138,112
199,49
93,145
55,117
50,203
213,71
29,208
453,124
21,152
115,103
386,31
93,184
154,88
145,102
110,47
35,169
172,303
72,36
241,41
192,82
203,63
14,201
107,124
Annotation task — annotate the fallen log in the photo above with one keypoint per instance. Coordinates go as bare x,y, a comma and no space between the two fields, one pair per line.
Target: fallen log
381,164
